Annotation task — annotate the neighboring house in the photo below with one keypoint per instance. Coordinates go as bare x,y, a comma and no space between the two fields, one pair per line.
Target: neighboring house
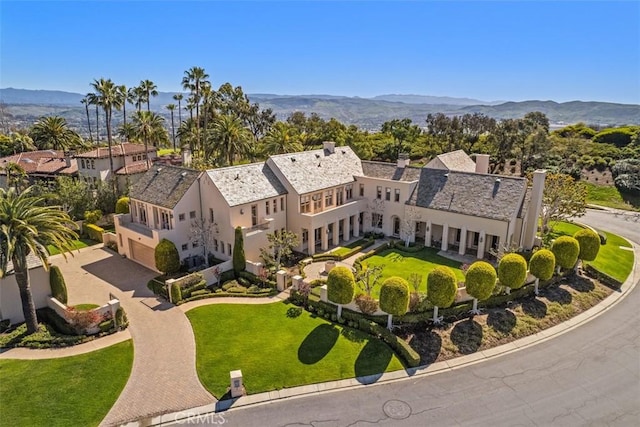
164,203
330,196
130,161
40,166
10,302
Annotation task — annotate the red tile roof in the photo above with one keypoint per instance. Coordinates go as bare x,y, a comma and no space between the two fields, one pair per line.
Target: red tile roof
117,150
133,168
47,162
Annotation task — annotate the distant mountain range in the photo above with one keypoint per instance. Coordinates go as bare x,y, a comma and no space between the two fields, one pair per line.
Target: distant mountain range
25,106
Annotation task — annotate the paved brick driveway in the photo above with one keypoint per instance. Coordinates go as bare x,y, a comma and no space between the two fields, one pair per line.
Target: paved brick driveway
164,377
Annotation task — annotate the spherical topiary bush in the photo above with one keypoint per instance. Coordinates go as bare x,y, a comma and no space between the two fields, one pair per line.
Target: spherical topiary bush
542,264
480,280
122,205
442,286
394,296
512,271
566,250
340,285
58,286
166,257
589,243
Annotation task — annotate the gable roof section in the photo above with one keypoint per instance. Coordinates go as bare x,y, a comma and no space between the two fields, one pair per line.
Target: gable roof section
117,150
309,171
390,171
163,185
134,168
456,161
487,196
45,162
246,183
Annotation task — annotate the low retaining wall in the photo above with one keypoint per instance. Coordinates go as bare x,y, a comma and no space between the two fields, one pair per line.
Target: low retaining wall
109,309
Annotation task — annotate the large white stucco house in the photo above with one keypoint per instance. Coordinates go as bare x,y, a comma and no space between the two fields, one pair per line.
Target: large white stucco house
329,196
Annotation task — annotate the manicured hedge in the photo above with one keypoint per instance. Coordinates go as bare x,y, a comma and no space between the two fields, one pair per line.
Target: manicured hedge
176,293
166,257
542,264
603,277
512,271
58,286
400,346
122,205
394,296
480,280
566,250
442,286
326,256
340,285
94,232
589,242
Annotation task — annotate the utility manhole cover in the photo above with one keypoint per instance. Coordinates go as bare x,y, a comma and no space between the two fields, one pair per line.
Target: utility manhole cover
397,409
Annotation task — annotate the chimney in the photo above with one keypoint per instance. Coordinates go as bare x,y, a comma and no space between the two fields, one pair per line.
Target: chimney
482,163
329,146
186,157
403,160
535,208
67,157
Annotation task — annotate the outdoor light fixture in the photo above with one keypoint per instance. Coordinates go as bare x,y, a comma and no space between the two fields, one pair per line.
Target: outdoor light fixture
241,211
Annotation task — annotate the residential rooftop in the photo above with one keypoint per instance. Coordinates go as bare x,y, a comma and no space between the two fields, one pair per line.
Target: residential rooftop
246,183
46,162
163,185
117,150
390,171
457,161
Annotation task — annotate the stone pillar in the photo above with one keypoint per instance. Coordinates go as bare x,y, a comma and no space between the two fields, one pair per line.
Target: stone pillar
281,280
312,241
295,282
427,234
323,293
325,237
356,226
346,230
114,304
445,237
463,240
482,241
237,388
336,233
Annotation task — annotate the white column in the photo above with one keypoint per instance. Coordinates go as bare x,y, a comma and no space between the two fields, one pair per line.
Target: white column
356,225
427,234
346,230
325,237
482,241
445,237
336,233
312,241
463,240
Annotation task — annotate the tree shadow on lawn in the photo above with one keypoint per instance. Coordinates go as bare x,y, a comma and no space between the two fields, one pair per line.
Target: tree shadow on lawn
372,361
467,336
318,344
580,283
502,320
534,307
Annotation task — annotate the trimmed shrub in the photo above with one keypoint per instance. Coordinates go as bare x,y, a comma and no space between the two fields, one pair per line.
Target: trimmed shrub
566,250
394,296
59,324
58,286
480,280
176,293
340,285
239,260
105,326
122,205
157,287
366,304
512,271
603,238
92,217
93,232
121,318
542,264
166,257
400,346
589,242
442,286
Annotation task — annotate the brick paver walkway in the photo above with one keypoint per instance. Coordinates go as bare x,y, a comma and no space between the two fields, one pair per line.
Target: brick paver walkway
163,378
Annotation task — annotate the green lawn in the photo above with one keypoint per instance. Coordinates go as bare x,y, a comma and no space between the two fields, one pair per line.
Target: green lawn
403,264
611,260
609,196
77,244
85,307
276,349
342,250
76,390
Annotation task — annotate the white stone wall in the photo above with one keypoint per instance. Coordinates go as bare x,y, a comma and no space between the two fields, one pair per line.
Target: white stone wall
10,303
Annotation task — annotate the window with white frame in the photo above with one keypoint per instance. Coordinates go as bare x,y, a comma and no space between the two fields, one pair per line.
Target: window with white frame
267,206
348,191
254,215
317,202
305,204
379,192
387,194
275,205
328,198
397,195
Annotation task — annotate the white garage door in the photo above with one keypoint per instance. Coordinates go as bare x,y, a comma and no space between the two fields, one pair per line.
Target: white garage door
142,254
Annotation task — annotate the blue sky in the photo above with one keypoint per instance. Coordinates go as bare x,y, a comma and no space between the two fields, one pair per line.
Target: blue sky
485,50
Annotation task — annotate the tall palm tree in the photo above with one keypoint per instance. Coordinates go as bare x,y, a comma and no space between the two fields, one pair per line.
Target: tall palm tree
281,138
178,97
86,101
53,133
150,89
108,98
149,125
172,108
93,100
193,80
27,226
127,132
139,96
123,93
229,137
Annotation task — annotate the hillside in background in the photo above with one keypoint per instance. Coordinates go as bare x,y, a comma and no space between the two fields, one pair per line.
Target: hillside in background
23,107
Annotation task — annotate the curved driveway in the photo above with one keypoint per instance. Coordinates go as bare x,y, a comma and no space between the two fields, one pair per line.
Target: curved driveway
589,376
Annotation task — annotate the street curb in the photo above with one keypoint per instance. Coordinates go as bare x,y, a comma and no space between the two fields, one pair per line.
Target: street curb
412,373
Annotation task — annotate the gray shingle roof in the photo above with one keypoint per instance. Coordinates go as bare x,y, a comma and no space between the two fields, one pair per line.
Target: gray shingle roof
390,171
246,183
163,185
469,193
309,171
458,161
